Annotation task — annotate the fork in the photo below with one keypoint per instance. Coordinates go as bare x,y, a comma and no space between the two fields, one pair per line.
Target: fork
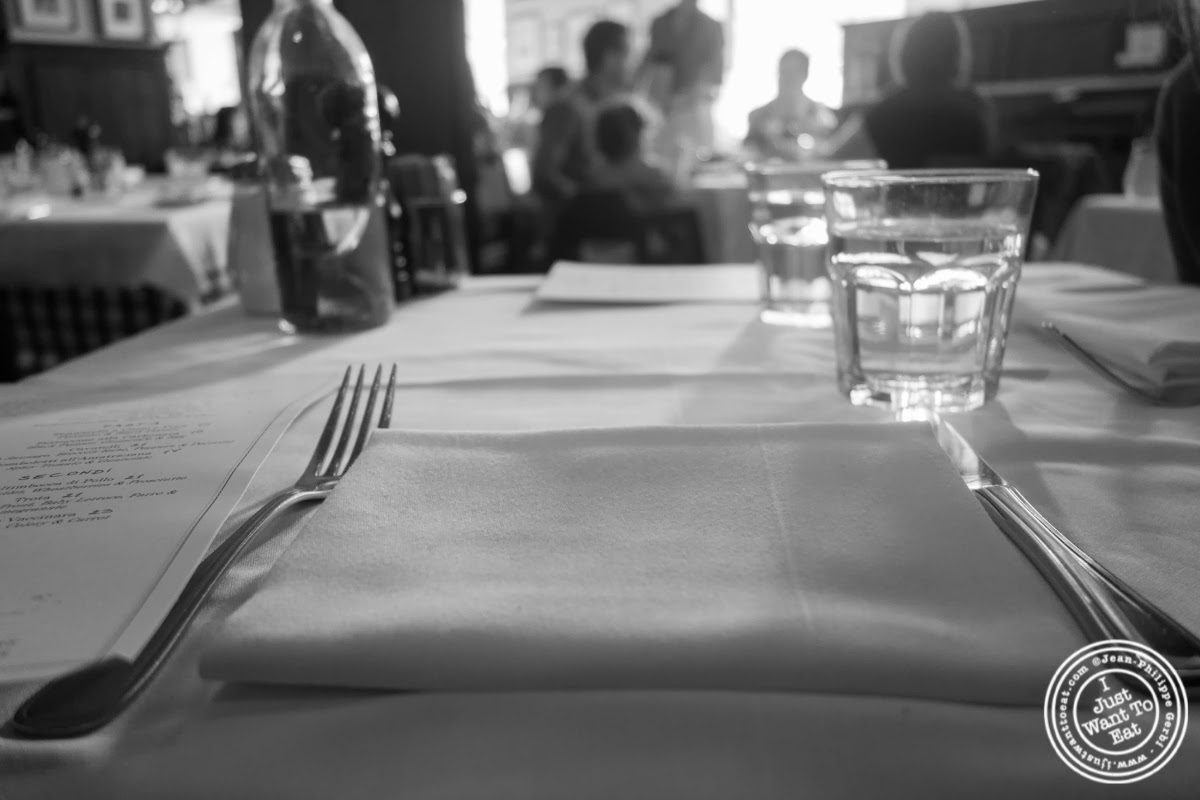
87,699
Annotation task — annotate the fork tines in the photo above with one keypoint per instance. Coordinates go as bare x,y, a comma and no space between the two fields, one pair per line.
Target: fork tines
356,415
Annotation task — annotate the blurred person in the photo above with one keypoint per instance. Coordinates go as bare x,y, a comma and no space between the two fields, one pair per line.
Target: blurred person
551,85
566,151
231,130
934,115
624,166
1177,139
776,128
232,143
685,65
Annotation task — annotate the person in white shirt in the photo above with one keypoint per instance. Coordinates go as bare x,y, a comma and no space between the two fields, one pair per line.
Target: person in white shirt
685,67
793,122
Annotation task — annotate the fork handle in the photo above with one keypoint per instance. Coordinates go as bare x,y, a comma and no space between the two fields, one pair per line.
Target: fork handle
88,698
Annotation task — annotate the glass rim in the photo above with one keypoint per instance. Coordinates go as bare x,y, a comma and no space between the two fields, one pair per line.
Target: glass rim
860,179
818,166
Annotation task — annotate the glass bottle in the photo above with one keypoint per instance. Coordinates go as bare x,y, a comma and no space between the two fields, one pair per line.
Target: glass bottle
314,109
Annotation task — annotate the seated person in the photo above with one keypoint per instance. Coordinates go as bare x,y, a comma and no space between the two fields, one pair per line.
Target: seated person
775,129
1177,134
549,87
231,140
565,155
623,166
933,115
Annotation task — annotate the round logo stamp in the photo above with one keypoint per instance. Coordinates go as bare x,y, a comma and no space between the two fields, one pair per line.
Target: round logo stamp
1116,712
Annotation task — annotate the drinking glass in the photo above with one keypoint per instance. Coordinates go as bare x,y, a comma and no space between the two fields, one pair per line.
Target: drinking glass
787,205
924,266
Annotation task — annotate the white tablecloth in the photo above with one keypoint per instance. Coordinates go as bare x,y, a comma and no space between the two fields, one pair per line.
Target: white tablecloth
124,242
1125,234
1096,462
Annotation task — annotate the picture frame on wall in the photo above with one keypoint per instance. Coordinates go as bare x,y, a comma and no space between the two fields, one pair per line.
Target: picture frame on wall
122,20
46,16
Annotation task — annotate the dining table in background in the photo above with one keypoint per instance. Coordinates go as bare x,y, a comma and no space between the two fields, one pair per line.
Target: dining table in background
1119,232
720,199
1101,465
76,274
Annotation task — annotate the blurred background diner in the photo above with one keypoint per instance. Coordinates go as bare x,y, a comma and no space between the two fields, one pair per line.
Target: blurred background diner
129,183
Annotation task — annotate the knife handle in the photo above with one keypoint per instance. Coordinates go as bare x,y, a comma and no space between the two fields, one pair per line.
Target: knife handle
1084,595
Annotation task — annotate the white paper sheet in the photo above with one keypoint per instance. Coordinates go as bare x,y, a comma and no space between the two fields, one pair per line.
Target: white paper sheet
105,512
572,282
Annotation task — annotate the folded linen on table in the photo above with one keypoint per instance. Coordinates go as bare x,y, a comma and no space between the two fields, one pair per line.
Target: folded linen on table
832,558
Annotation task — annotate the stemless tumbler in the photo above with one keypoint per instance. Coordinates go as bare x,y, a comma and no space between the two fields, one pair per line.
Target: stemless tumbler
924,266
787,207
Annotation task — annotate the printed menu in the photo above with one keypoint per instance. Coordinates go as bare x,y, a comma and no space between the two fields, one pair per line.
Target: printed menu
106,510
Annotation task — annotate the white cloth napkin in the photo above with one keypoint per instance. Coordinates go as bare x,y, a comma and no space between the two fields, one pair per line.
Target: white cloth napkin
637,284
822,558
1151,337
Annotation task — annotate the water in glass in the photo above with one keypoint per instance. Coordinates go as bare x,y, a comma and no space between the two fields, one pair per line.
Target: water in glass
789,228
923,310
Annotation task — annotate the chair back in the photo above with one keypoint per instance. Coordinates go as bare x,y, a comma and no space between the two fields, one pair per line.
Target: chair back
604,227
597,226
433,224
673,236
1068,172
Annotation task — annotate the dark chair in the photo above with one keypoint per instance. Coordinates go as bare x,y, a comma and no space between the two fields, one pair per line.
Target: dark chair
1068,172
43,327
605,227
672,236
434,225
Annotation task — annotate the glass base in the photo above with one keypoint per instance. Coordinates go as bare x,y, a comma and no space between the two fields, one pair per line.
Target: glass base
919,398
808,315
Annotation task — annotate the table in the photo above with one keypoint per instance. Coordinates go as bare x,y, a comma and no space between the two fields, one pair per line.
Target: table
489,358
1126,234
128,241
76,275
721,201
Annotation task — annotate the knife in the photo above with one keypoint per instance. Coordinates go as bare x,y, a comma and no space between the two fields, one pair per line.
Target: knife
1103,606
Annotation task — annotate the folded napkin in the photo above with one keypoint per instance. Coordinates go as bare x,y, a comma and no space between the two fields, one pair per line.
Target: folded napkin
1149,335
638,284
810,558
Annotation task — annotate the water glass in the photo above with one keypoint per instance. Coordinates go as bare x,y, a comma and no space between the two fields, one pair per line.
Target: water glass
787,205
925,266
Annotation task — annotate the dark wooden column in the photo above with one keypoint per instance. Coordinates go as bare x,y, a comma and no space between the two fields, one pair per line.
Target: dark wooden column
419,51
418,48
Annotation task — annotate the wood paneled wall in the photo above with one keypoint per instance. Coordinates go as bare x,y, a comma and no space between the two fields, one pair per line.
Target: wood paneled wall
1054,69
125,90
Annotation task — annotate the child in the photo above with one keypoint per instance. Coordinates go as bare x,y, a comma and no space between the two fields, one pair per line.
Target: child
623,166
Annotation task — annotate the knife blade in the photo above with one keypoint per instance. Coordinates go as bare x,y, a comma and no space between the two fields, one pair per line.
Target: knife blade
1103,606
